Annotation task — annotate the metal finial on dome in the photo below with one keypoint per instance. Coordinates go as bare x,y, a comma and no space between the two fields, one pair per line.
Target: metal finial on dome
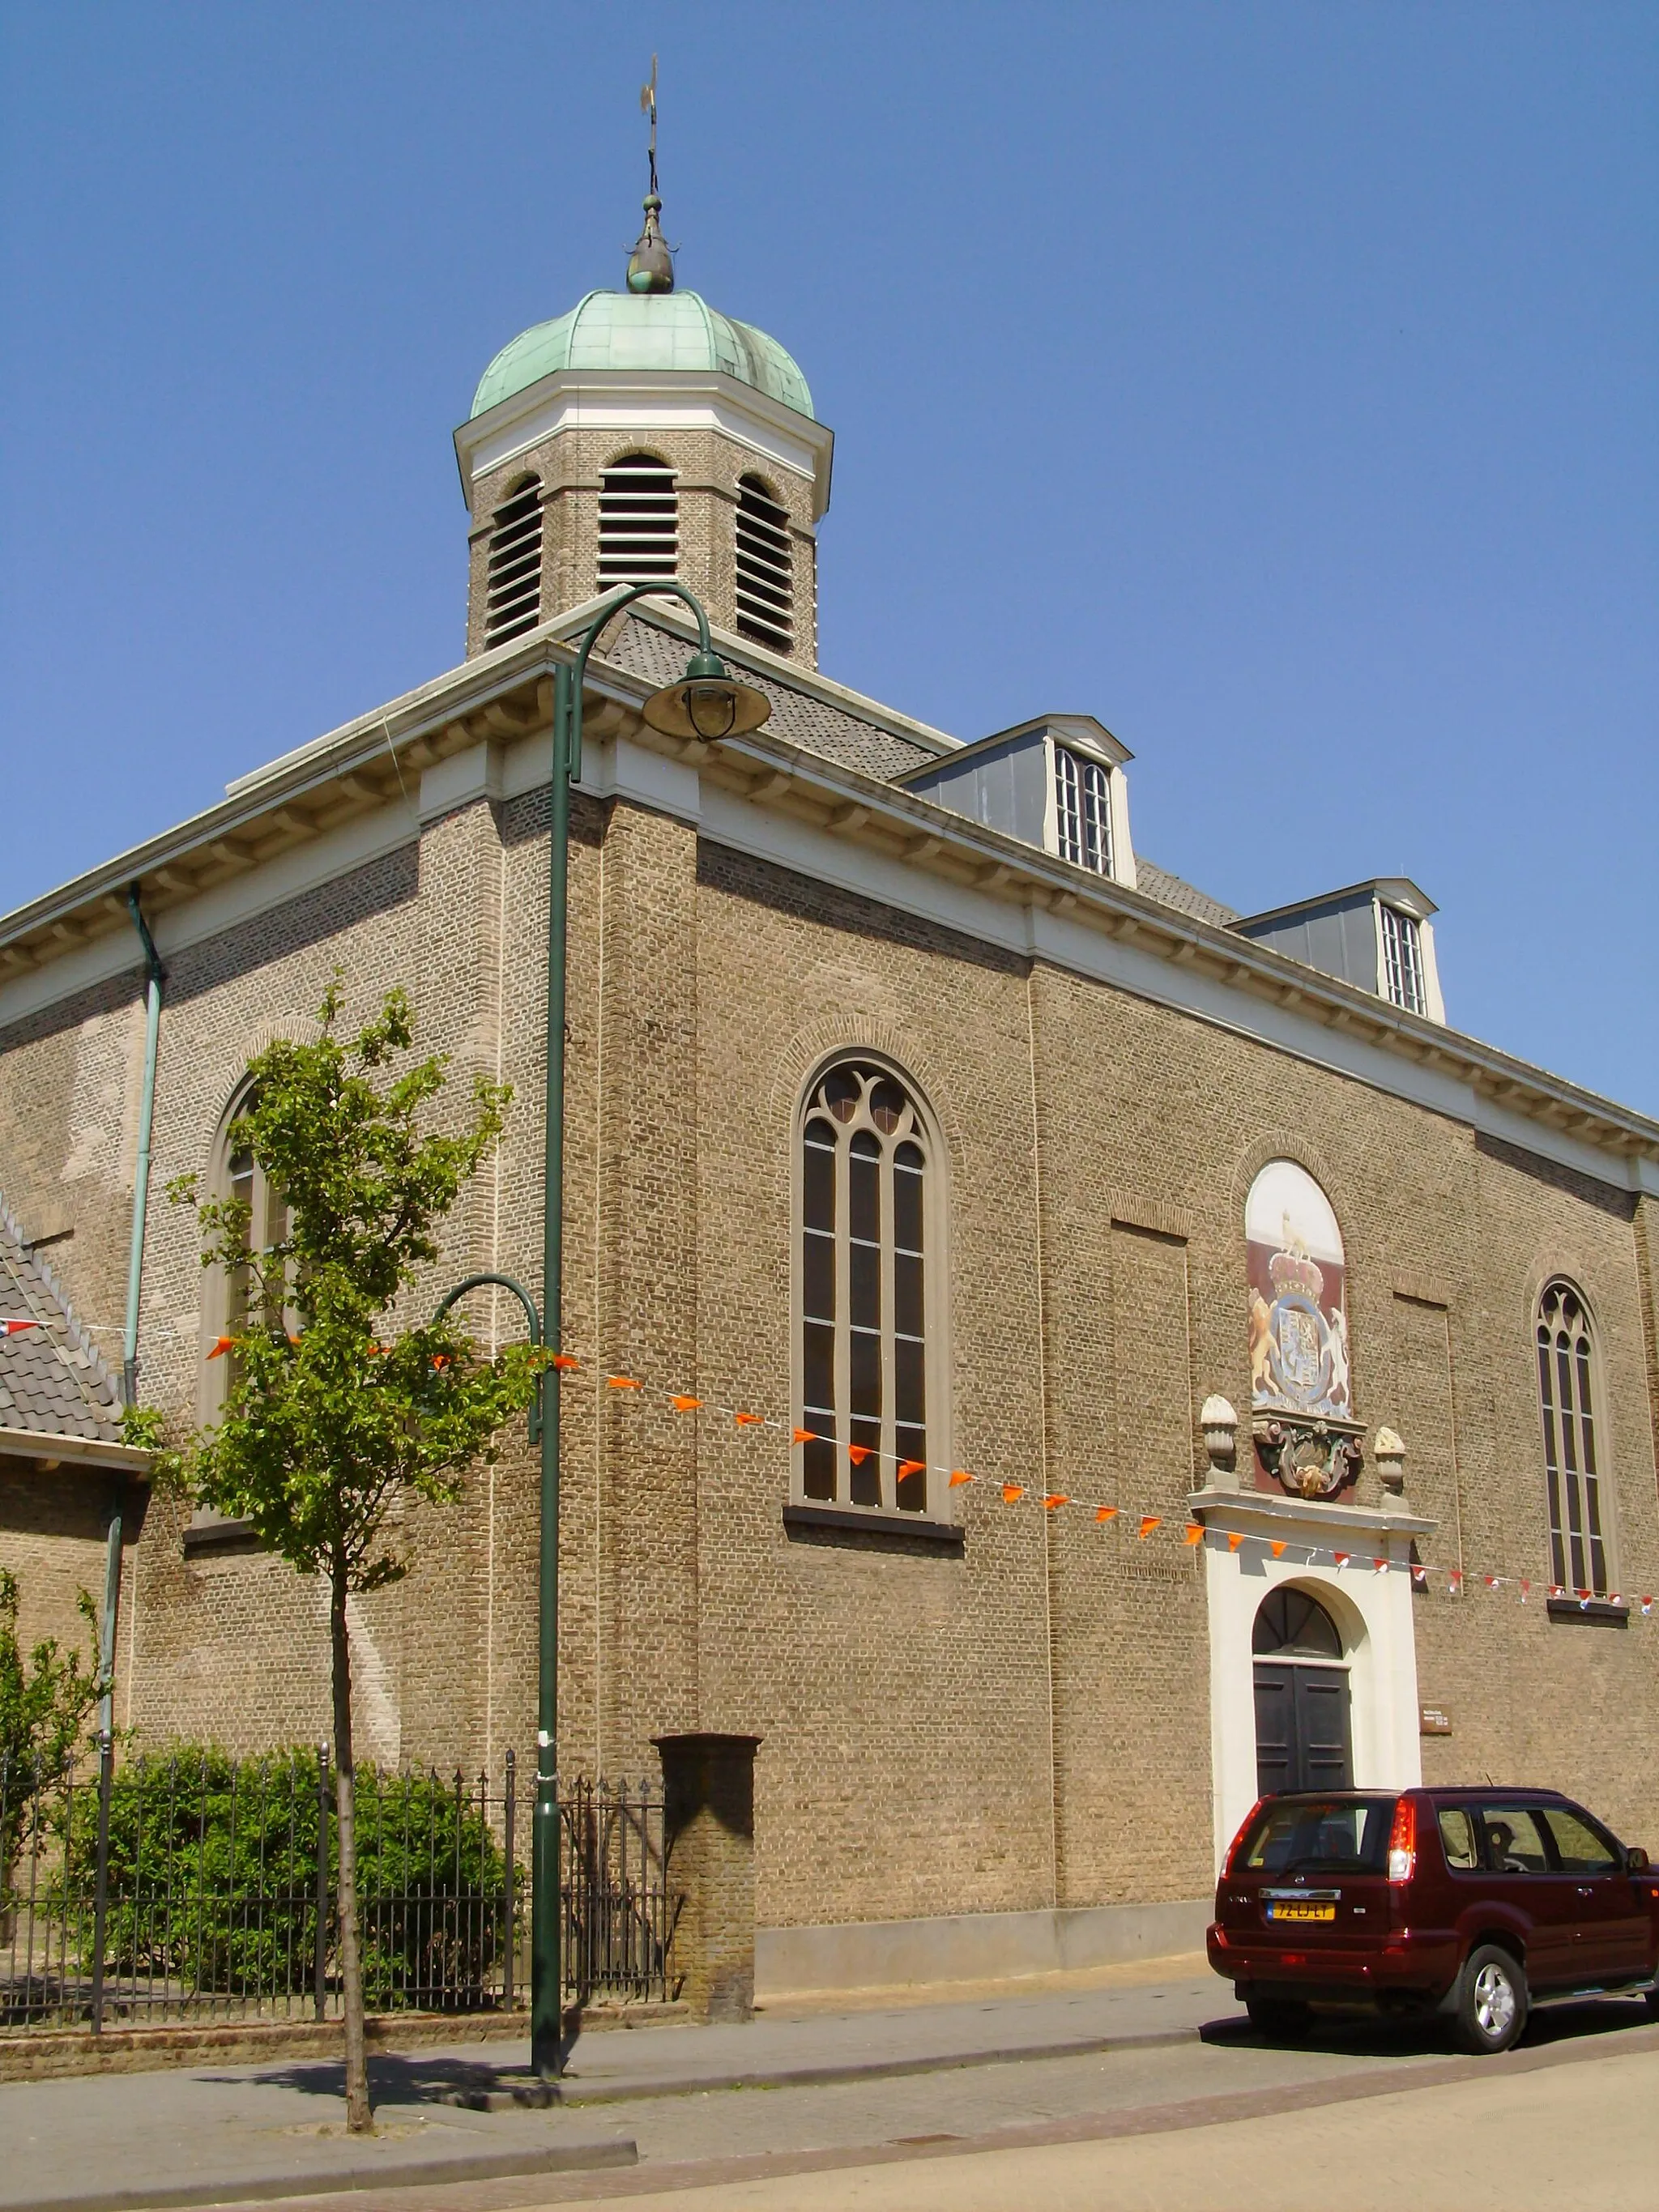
650,265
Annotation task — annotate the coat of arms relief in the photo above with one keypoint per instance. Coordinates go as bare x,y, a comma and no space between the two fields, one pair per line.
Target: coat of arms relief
1307,1441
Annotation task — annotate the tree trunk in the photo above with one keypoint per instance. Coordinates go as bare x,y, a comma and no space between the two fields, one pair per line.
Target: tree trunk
359,2117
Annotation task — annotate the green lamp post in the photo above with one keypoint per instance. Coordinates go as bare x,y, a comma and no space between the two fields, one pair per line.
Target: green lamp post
707,704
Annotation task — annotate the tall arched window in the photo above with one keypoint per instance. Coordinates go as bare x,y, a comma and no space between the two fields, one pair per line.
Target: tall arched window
869,1279
766,567
230,1294
1579,1537
639,521
513,586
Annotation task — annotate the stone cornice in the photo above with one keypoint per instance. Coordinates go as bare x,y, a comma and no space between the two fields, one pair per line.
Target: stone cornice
372,765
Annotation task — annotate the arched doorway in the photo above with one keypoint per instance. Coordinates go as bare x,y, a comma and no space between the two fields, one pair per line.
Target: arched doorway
1302,1737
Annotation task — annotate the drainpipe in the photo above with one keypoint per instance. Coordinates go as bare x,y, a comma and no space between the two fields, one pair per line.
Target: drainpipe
155,975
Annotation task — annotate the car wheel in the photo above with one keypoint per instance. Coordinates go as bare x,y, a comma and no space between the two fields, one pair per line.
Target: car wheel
1279,2017
1491,2001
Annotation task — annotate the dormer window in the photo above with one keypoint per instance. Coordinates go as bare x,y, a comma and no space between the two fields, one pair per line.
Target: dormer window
639,521
513,587
1083,810
1402,960
766,584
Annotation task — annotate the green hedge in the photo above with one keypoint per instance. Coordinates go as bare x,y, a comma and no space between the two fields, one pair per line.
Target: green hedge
212,1882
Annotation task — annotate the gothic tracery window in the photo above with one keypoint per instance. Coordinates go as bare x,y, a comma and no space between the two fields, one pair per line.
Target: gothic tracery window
1573,1451
866,1264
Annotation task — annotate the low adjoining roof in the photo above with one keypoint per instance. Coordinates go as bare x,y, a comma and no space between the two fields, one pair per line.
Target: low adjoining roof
52,1381
652,331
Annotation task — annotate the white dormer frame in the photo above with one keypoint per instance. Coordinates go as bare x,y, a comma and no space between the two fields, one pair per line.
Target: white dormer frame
1090,740
1401,893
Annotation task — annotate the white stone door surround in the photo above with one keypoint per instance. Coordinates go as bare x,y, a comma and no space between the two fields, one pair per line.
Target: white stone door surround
1372,1611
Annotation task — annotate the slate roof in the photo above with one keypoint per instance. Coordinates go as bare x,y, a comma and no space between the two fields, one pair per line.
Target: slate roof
1171,890
799,718
819,727
52,1379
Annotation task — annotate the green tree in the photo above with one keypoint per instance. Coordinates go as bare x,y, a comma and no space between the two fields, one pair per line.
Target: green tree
333,1414
46,1700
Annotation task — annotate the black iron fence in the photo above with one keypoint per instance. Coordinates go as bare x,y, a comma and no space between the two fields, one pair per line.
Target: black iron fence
192,1885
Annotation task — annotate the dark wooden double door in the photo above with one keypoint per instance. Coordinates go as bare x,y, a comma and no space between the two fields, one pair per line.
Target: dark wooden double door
1303,1740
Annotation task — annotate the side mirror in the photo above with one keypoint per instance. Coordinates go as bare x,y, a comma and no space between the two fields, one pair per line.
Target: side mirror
1636,1860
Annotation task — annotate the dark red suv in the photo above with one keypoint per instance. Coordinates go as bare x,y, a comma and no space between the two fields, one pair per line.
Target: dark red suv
1472,1903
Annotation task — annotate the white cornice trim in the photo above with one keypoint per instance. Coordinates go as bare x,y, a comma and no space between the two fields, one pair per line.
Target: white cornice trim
628,401
955,871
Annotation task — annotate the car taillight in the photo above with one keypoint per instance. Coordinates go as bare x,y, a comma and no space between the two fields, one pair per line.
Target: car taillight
1402,1841
1237,1843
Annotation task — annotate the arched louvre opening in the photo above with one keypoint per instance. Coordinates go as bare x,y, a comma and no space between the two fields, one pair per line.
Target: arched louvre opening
513,588
639,521
766,573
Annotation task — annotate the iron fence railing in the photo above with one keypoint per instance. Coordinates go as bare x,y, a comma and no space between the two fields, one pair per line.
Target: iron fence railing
193,1884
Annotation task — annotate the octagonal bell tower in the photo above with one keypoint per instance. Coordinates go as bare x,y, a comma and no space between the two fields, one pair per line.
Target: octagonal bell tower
642,434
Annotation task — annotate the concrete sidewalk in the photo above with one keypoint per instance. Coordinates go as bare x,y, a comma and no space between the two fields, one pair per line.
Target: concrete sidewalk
111,2142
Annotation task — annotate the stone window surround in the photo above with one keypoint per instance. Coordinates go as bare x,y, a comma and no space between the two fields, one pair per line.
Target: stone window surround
839,1512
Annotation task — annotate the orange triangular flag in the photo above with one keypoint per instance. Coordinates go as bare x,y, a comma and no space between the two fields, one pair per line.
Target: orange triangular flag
684,1404
749,1421
1011,1491
1194,1533
1149,1522
1278,1548
1058,1498
221,1347
959,1476
624,1382
563,1361
1234,1539
812,1437
1106,1513
858,1453
911,1467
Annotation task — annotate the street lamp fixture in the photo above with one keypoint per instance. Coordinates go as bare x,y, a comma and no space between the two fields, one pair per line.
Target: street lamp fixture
707,704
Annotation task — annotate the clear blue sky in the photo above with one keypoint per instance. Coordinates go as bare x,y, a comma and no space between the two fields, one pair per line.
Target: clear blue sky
1276,382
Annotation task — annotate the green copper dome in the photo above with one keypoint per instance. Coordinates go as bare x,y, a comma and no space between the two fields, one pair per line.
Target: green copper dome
662,329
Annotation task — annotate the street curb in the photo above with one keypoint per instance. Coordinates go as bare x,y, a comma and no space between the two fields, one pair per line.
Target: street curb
541,2096
414,2174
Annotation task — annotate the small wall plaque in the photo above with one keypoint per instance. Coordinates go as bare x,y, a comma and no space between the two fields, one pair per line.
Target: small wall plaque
1434,1721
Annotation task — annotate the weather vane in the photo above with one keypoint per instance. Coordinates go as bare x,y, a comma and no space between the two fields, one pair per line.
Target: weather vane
650,266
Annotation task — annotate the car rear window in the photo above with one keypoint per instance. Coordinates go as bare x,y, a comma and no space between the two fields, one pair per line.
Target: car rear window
1342,1835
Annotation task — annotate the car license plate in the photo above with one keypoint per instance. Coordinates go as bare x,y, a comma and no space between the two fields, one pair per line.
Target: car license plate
1288,1911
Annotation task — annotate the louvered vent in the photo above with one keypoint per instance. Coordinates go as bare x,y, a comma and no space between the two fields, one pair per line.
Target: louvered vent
639,522
766,580
513,602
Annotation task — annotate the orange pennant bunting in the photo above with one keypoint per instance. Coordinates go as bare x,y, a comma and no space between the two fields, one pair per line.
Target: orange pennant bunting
750,1420
1234,1539
911,1467
1149,1522
622,1382
1106,1513
1277,1548
959,1476
858,1453
563,1361
1194,1534
684,1404
1012,1491
1057,1497
221,1347
811,1436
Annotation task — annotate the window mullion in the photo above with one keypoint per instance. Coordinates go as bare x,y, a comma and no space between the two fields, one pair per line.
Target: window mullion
889,1356
843,1319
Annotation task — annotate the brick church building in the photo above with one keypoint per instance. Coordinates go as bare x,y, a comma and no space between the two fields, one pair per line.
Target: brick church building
1175,1359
